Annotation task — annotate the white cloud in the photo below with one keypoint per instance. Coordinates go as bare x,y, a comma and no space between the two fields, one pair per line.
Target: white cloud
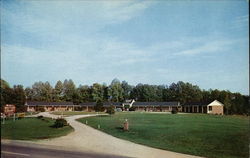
207,47
55,17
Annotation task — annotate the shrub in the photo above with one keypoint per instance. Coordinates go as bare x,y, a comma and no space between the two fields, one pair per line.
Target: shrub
132,109
39,108
59,123
21,108
40,117
111,110
174,111
78,108
20,115
126,107
99,106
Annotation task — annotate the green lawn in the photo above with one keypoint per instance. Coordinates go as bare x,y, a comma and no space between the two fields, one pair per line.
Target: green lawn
70,113
205,135
32,129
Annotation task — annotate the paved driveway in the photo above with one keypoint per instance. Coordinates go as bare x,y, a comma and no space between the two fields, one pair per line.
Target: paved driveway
87,139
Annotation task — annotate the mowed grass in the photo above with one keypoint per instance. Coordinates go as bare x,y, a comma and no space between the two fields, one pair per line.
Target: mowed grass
32,129
197,134
70,113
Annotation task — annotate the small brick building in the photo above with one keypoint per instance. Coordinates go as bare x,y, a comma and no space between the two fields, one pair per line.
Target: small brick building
214,107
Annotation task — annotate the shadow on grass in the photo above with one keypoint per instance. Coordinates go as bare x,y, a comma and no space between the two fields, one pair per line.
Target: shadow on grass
119,128
102,116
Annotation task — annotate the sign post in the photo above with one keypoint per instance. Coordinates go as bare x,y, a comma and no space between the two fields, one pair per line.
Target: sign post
3,118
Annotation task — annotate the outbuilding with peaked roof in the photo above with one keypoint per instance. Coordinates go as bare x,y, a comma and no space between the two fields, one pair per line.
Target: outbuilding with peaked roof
214,107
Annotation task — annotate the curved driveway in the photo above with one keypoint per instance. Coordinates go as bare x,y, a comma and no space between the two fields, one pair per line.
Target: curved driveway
88,139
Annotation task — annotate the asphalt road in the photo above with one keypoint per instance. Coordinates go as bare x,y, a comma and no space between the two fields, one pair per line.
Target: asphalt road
20,151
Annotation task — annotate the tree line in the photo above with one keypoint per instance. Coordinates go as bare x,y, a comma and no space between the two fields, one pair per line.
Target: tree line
235,103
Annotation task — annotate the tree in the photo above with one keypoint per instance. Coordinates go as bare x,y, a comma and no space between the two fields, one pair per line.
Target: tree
68,90
235,103
126,90
58,91
116,91
19,98
183,92
42,91
4,84
76,99
99,106
48,89
145,92
111,110
97,92
7,93
84,93
29,93
105,92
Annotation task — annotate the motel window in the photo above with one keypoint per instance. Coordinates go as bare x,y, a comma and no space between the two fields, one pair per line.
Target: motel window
210,108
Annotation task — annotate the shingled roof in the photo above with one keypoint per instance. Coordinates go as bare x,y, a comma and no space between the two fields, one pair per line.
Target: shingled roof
88,104
42,103
107,104
144,104
196,104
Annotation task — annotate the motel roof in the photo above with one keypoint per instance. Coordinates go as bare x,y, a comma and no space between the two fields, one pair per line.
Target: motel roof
143,104
196,104
88,104
107,104
42,103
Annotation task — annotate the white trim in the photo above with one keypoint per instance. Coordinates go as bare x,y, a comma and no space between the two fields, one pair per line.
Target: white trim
215,103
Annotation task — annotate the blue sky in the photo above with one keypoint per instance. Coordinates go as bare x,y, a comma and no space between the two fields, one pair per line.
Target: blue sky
154,42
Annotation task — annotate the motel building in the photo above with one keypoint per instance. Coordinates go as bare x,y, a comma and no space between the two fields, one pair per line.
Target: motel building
33,106
214,107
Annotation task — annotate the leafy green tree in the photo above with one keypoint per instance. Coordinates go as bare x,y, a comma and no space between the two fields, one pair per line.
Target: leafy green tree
76,99
48,89
183,92
29,93
19,98
116,91
84,93
99,106
58,91
69,89
105,92
235,103
126,90
97,92
111,110
4,84
6,94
